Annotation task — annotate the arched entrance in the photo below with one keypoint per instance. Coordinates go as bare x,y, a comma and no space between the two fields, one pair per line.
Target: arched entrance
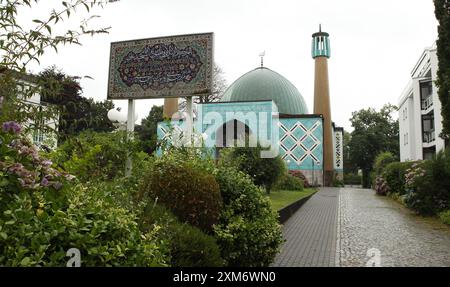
232,134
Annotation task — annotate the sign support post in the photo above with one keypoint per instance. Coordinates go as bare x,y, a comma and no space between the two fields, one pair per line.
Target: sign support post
130,130
189,119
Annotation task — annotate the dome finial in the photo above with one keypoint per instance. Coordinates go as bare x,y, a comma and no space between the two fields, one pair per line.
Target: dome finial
262,54
320,28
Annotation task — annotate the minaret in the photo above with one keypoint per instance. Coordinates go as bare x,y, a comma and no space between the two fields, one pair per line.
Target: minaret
321,53
170,107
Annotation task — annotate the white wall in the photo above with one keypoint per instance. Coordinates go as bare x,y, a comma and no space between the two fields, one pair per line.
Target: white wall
411,147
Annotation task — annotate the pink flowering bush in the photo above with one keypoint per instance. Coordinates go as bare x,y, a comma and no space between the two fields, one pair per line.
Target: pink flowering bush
381,186
413,176
44,212
21,166
428,185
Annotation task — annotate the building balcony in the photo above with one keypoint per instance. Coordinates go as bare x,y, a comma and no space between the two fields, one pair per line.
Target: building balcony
427,103
429,136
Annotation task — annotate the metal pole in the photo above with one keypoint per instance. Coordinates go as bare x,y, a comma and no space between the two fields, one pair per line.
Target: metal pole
130,130
189,119
312,162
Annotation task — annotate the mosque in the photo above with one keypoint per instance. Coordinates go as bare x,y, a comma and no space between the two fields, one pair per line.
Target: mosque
265,102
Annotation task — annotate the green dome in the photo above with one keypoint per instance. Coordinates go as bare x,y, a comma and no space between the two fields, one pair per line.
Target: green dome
265,84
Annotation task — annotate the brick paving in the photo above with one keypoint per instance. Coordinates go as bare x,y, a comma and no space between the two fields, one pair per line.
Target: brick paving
343,227
311,233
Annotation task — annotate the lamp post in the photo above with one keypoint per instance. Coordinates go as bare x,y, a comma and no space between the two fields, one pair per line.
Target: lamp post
125,122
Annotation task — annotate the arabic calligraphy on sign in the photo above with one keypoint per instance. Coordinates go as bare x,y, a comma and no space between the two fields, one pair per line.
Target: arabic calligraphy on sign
159,66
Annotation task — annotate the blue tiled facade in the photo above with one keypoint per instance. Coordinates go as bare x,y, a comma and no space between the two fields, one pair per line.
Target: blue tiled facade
299,138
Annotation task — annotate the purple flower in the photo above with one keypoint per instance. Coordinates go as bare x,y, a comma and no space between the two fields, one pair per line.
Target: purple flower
57,185
46,163
45,182
11,126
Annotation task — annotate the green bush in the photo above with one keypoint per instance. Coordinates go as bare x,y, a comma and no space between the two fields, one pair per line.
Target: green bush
80,217
428,184
188,245
97,156
184,185
445,216
44,213
264,171
352,179
289,182
248,231
381,161
394,175
299,174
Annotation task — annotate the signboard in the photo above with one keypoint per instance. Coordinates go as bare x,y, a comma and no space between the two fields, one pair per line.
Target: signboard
162,67
338,149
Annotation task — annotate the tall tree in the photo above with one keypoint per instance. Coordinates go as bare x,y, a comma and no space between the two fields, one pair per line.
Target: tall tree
25,40
374,132
76,113
146,131
442,12
349,166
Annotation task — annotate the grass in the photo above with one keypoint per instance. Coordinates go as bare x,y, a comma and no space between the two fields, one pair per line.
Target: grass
282,198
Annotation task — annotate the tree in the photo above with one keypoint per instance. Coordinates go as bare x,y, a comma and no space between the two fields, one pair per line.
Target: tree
76,113
20,46
264,172
147,131
374,132
219,85
349,166
442,12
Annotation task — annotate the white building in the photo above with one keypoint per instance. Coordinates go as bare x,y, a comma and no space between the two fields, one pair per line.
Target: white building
420,111
32,104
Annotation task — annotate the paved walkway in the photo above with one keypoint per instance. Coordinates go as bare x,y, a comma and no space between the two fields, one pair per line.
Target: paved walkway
311,232
401,238
353,226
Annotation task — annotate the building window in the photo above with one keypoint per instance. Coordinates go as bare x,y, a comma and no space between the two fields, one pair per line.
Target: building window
428,128
38,137
426,91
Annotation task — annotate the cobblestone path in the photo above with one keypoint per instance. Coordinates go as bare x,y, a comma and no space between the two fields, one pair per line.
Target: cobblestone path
402,238
338,227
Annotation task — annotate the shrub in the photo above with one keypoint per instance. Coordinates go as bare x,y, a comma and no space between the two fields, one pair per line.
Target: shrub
352,179
381,186
264,171
184,185
381,161
188,246
298,174
42,215
289,182
428,184
445,216
96,155
248,231
394,175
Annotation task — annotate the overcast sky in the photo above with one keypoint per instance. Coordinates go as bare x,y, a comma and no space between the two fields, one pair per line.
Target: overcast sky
374,44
